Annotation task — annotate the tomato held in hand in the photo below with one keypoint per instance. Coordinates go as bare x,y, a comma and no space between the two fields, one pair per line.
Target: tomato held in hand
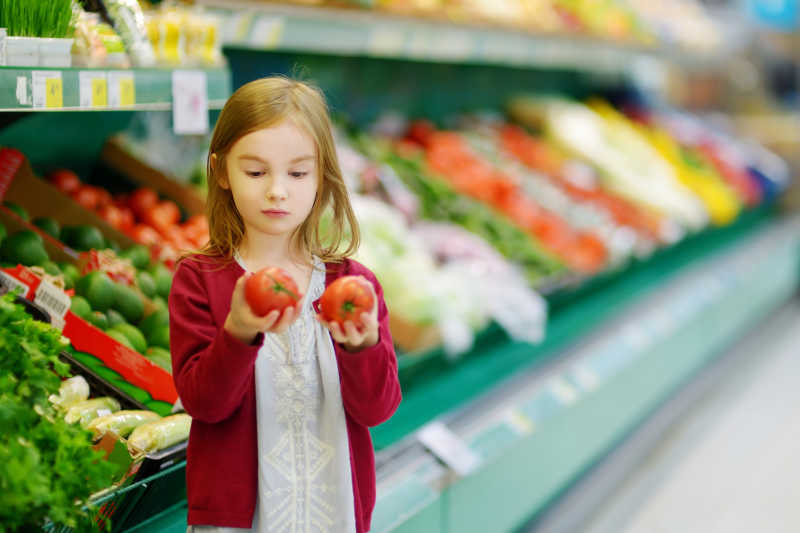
346,299
65,181
271,288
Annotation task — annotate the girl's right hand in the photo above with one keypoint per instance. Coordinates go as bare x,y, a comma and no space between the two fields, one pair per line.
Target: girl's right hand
242,324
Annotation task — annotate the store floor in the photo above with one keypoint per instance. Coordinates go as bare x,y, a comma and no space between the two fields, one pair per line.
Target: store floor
728,462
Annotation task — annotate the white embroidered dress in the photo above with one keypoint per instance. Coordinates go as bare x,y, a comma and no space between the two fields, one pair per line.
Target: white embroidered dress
304,477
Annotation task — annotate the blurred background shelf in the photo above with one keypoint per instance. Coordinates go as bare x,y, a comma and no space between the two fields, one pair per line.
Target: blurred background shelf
124,90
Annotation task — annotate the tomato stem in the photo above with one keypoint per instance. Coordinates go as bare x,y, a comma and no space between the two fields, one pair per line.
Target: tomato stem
279,287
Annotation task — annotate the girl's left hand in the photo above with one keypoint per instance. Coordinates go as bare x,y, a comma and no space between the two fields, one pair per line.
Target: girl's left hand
355,338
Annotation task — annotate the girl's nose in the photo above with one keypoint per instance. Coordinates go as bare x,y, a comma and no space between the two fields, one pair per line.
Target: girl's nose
276,190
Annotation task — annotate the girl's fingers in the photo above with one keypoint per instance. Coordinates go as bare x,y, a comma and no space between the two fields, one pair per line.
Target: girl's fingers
353,336
268,321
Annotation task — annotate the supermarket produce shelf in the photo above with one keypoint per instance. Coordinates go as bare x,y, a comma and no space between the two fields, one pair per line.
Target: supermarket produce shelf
434,385
76,89
353,32
536,433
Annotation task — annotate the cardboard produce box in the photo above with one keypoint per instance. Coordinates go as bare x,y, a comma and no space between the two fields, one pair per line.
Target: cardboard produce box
118,158
40,199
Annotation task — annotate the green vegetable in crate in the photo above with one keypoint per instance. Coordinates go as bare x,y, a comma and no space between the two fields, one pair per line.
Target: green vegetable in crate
160,337
70,273
83,238
114,318
153,322
158,435
139,256
98,320
87,410
160,356
97,288
120,338
71,391
49,468
49,226
120,423
163,279
146,284
113,245
128,302
3,233
24,247
81,307
134,336
52,269
18,210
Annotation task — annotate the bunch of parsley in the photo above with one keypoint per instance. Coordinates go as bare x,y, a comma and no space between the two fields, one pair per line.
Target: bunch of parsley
47,468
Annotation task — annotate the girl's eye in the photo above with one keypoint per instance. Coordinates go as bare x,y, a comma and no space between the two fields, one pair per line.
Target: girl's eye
297,174
255,173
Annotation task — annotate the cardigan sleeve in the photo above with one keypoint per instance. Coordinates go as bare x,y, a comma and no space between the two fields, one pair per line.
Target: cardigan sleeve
370,385
211,368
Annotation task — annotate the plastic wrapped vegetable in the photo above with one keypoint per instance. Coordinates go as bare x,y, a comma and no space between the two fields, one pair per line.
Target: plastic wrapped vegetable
87,410
71,391
121,423
154,436
129,23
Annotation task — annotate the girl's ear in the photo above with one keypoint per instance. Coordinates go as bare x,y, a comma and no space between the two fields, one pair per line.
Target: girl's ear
222,177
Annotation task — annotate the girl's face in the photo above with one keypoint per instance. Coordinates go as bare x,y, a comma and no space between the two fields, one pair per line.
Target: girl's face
273,177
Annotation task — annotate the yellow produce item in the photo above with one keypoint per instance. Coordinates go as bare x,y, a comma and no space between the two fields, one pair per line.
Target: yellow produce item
160,434
87,410
71,391
120,423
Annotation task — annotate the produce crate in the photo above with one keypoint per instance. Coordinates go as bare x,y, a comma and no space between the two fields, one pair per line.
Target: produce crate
124,508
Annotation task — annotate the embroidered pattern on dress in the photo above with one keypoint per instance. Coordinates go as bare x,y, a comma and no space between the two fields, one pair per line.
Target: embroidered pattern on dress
304,504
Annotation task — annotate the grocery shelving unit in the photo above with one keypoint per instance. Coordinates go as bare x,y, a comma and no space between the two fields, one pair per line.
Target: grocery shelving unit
77,89
533,417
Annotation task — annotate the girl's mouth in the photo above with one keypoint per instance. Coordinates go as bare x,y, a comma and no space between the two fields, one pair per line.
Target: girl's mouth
277,213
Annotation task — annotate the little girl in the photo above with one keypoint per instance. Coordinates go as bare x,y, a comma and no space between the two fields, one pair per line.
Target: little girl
281,403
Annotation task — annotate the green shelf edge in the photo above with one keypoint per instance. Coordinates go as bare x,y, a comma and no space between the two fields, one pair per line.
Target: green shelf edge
153,88
432,385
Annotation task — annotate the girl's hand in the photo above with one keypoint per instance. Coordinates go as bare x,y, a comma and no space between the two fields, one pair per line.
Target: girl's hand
355,338
242,324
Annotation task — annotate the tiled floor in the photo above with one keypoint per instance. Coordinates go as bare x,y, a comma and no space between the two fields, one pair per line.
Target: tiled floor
732,462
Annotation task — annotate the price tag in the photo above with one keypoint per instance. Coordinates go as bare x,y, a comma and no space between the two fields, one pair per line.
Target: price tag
52,299
267,32
386,41
11,283
22,91
189,102
450,449
93,89
563,391
48,91
121,89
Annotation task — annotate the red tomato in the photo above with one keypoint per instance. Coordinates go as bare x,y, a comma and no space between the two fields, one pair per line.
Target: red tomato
112,215
103,198
346,299
88,196
127,219
270,288
65,181
145,235
142,200
163,215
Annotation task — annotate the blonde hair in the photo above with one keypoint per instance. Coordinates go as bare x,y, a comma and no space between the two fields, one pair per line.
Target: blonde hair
257,105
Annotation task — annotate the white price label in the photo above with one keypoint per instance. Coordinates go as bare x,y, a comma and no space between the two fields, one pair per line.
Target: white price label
189,102
267,32
565,393
48,91
52,299
11,283
22,91
121,89
450,449
386,41
93,89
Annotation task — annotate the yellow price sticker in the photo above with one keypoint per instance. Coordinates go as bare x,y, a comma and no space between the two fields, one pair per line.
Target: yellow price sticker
127,92
99,92
54,92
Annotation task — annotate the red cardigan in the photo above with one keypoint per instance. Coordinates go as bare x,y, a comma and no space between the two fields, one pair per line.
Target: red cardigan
214,377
